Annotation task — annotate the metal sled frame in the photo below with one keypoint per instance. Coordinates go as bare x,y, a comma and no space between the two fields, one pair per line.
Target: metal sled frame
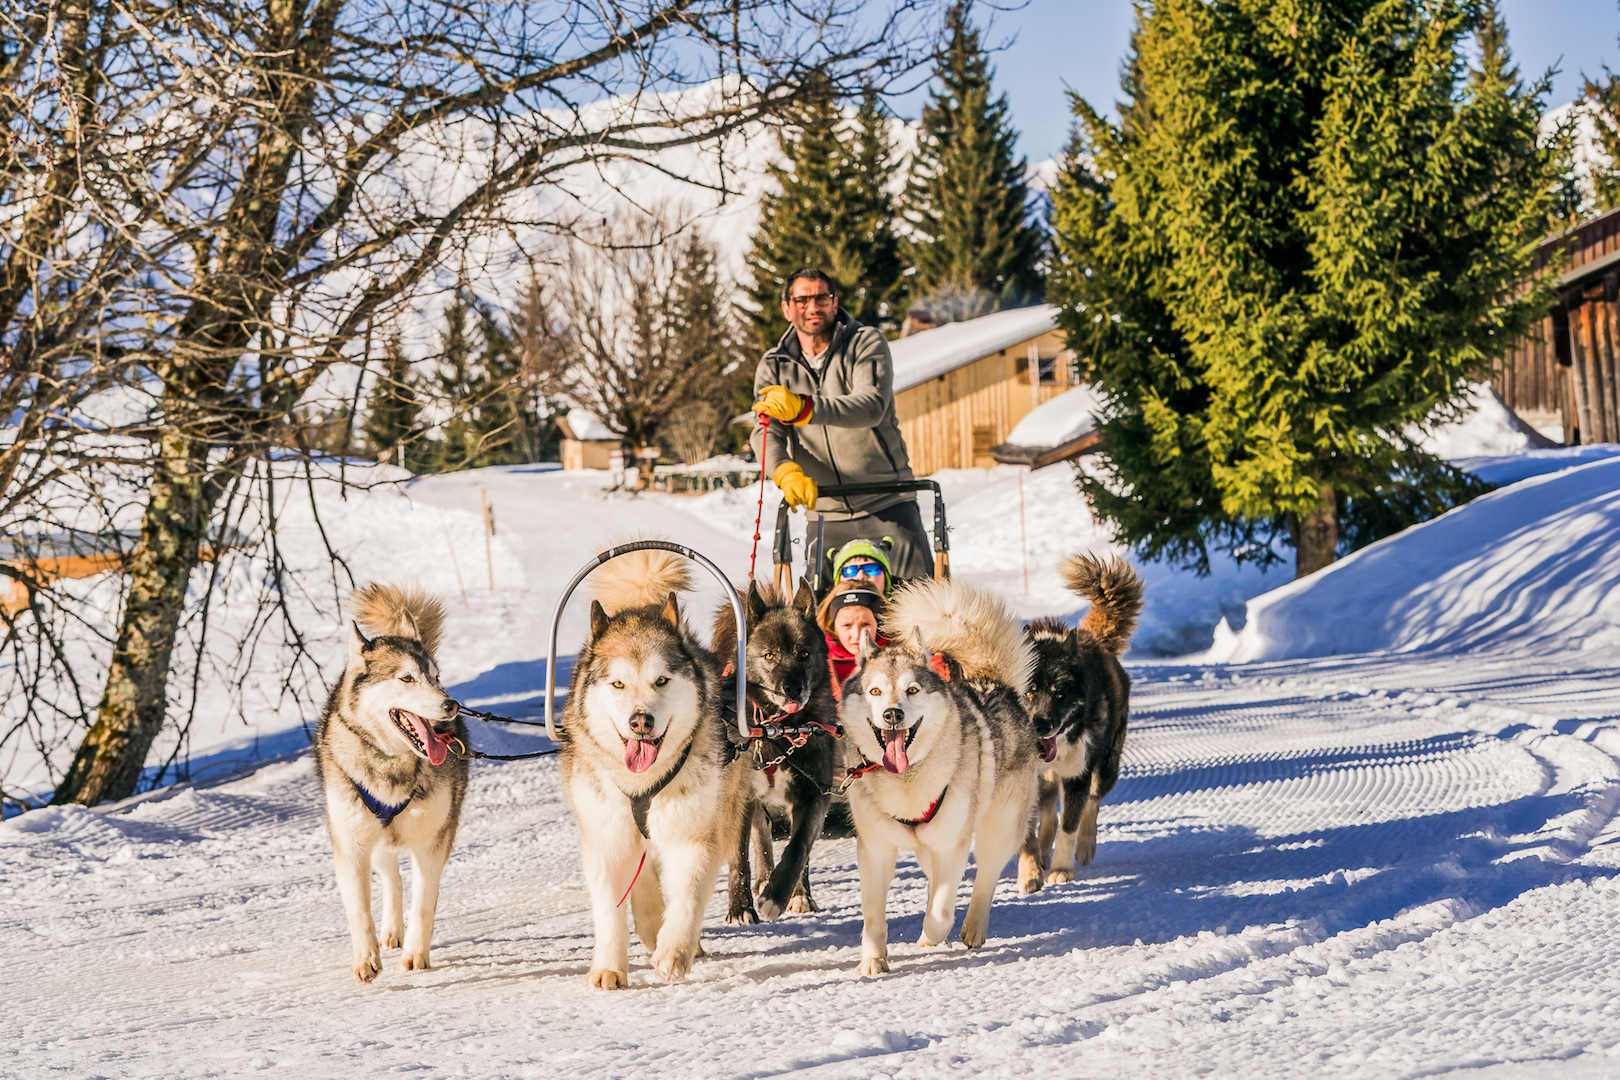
625,549
783,545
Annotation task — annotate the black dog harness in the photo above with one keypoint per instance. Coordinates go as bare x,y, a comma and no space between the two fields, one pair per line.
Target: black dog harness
640,804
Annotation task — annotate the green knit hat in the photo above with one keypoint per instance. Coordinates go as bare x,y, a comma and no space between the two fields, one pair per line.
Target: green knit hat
878,553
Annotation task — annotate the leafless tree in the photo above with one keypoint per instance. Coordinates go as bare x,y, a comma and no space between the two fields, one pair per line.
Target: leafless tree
210,203
626,323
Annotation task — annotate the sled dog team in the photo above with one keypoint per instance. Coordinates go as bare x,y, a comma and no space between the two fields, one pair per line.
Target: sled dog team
969,733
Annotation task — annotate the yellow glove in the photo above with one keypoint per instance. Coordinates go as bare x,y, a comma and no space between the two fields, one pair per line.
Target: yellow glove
797,488
780,403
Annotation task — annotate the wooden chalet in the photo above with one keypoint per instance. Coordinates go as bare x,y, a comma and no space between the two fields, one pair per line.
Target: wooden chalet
961,388
1568,374
587,443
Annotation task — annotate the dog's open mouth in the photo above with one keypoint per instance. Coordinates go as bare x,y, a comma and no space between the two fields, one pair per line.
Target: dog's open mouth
1048,748
639,754
896,741
424,740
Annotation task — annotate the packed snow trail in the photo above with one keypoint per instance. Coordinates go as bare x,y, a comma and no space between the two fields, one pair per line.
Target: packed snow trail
1306,867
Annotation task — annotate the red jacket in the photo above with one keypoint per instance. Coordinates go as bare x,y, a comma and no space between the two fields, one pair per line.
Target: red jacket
843,661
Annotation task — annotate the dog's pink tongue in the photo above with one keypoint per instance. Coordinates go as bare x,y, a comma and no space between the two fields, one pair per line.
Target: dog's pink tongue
438,748
1049,748
639,754
894,751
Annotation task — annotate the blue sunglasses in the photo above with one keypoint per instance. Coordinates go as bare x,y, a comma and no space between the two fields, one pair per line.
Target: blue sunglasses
853,570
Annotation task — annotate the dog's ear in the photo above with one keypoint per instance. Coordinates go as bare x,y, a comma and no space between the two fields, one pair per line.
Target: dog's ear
805,598
868,647
357,642
599,620
410,625
753,603
672,612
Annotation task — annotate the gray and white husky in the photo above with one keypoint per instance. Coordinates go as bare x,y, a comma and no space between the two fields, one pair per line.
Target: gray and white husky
391,785
937,728
648,768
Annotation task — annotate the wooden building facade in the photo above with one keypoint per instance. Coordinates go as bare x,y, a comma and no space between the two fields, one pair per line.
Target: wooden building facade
1568,373
961,388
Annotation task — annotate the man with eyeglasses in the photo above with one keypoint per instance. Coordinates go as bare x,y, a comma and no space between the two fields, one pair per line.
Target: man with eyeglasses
828,387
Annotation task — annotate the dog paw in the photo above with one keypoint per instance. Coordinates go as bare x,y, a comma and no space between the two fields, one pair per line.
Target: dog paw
367,965
801,904
1059,877
973,936
874,965
1083,854
392,938
1030,884
673,963
768,908
414,961
928,943
743,917
607,979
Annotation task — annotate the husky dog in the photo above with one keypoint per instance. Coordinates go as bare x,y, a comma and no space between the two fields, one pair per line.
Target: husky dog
647,768
789,683
1079,700
382,756
946,756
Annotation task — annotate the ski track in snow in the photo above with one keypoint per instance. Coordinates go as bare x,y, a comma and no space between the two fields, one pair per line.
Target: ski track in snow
1306,868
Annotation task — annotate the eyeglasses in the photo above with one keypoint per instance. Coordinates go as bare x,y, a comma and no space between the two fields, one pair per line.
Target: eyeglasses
819,299
853,570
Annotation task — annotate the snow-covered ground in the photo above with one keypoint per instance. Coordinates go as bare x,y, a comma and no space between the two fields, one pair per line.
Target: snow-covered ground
1385,845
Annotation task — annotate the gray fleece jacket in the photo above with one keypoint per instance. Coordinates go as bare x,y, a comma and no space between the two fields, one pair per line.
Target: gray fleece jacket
852,437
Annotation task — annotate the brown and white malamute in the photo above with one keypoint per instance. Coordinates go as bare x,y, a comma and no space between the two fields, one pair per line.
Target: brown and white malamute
382,753
648,768
936,726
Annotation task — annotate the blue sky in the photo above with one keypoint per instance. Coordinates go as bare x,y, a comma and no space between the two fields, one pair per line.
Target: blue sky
1078,43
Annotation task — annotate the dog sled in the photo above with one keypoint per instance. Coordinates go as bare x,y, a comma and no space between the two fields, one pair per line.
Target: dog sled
816,570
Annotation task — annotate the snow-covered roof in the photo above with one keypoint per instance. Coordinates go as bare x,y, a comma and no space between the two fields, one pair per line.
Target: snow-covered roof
932,353
587,428
1062,420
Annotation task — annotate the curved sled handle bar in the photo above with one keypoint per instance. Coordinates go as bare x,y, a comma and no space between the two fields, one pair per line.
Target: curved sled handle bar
625,549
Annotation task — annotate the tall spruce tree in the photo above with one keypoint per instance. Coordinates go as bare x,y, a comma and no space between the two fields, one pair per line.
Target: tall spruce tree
1315,228
832,208
392,411
966,201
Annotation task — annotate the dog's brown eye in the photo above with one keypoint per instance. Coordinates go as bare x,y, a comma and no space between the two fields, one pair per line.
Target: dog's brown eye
617,685
1030,695
406,679
770,656
662,680
911,690
874,691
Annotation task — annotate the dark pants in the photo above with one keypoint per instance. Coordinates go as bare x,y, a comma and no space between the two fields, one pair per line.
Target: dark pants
911,555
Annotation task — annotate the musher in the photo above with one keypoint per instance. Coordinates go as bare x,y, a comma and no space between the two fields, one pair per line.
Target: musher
828,387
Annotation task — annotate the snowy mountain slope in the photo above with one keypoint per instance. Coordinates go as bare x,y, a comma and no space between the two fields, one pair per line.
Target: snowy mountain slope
1534,565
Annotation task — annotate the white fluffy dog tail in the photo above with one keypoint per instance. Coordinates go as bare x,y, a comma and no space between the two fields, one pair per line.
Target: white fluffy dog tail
399,612
967,624
640,579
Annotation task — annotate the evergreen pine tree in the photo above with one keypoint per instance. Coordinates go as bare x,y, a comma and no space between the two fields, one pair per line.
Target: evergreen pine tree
1314,230
392,412
966,200
832,208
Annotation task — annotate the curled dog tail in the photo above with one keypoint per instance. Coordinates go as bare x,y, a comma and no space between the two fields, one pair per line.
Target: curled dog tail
967,624
1115,592
393,611
639,579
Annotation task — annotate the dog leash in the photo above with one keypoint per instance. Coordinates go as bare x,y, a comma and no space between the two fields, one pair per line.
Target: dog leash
759,511
462,750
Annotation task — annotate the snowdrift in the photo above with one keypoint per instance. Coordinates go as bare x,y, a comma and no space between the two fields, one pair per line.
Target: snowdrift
1533,565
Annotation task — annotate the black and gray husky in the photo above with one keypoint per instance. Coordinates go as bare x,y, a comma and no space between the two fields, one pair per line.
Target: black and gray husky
1079,699
789,689
382,753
